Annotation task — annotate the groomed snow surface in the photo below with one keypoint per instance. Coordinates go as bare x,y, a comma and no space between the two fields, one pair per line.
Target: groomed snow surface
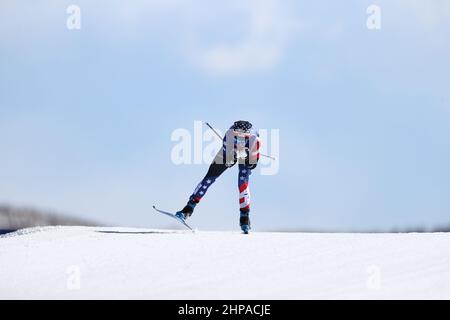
104,263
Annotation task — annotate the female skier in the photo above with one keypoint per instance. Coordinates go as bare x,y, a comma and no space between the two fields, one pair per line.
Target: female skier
240,145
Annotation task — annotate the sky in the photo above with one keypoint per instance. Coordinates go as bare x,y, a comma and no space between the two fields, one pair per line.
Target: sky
87,115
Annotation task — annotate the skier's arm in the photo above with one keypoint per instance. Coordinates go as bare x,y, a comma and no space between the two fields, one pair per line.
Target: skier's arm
228,148
253,154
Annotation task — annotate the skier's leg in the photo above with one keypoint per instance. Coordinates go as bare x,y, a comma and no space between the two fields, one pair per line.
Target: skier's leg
244,197
214,171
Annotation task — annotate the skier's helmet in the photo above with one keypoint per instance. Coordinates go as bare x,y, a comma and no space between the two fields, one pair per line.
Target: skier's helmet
242,126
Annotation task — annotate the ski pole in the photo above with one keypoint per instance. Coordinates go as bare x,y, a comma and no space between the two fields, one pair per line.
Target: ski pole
218,135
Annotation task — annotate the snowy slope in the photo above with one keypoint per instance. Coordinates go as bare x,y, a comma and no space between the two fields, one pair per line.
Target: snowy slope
89,262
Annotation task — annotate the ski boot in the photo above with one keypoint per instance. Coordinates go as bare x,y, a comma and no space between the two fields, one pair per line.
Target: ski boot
244,221
187,211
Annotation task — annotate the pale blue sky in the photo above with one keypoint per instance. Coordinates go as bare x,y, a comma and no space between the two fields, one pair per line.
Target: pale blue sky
86,115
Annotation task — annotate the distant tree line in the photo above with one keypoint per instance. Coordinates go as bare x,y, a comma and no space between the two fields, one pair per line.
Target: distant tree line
14,218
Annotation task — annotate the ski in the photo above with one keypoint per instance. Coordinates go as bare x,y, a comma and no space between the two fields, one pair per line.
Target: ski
173,217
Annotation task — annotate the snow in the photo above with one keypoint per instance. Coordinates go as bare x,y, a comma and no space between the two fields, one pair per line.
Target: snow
103,263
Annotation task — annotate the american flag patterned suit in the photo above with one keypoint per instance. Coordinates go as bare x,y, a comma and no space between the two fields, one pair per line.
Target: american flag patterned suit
241,145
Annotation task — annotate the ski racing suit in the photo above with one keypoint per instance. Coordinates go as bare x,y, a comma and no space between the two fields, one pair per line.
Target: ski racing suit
241,148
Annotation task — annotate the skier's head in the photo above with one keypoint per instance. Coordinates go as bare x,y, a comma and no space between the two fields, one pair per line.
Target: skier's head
242,126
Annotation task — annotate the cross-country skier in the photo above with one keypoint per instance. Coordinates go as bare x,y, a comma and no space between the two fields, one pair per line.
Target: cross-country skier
240,145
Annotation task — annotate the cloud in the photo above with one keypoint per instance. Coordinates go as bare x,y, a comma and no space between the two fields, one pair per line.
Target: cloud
430,14
269,29
220,38
232,37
